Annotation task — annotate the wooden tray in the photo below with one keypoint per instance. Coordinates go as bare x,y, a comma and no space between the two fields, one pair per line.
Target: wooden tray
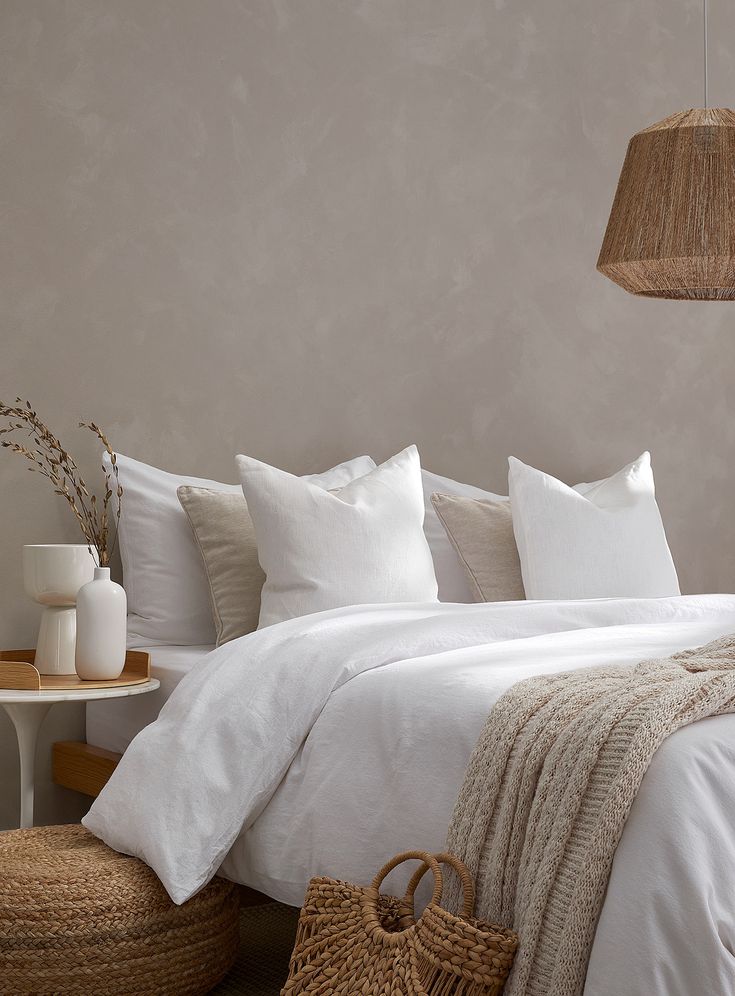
17,672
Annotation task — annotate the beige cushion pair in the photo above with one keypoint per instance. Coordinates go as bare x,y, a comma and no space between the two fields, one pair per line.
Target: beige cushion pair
482,534
480,531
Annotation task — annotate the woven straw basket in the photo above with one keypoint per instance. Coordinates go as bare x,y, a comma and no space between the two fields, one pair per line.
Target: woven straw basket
352,940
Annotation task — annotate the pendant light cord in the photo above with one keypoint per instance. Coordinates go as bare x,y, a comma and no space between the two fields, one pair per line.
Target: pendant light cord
706,59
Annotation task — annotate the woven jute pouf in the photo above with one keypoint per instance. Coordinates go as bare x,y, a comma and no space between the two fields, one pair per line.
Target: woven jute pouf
78,918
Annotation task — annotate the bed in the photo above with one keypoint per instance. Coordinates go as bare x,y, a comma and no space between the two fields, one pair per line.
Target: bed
326,744
333,725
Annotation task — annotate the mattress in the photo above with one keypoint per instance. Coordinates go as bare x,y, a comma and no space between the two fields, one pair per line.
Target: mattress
112,724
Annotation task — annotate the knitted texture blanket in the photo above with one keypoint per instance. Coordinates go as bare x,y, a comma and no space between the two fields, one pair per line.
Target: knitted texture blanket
548,790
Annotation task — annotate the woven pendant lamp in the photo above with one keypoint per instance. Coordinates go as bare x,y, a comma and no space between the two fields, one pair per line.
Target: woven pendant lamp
671,232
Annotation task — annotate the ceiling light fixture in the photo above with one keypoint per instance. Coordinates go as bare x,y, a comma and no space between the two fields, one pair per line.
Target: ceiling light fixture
671,232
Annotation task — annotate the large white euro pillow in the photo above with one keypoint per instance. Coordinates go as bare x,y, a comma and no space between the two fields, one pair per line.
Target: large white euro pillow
322,550
163,572
599,540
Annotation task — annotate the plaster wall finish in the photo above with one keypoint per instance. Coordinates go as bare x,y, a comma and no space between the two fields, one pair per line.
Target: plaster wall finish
308,230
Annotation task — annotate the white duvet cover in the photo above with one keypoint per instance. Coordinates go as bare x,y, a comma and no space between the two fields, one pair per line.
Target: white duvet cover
326,744
113,723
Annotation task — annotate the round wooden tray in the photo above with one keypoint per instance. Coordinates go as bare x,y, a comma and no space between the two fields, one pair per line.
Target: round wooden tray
17,672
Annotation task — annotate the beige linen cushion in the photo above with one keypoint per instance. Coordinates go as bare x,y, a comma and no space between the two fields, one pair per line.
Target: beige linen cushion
225,536
482,534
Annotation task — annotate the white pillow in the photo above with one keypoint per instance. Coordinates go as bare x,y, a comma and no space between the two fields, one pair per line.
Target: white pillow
600,540
321,550
163,572
451,576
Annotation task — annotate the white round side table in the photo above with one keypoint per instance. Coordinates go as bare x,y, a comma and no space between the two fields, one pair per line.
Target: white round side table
27,710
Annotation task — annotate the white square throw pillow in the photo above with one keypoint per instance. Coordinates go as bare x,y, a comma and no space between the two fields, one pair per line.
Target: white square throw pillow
163,572
322,550
599,540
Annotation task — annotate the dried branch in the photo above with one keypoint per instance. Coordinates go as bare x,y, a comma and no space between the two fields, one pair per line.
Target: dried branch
48,457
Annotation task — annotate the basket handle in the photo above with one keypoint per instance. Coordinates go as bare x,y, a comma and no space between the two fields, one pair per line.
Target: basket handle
371,896
468,886
428,862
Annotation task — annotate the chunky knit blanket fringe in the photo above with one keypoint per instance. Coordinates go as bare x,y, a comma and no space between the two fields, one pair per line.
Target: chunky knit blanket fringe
548,790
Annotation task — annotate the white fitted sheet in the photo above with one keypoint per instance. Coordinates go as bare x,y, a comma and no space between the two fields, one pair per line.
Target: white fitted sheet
113,724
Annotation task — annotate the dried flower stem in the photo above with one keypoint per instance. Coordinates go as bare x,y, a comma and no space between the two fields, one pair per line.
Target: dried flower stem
48,457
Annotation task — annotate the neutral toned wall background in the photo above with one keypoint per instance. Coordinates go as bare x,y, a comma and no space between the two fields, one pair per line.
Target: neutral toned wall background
314,229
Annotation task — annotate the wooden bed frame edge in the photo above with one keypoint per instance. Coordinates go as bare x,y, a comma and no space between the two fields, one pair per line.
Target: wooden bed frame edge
85,768
82,767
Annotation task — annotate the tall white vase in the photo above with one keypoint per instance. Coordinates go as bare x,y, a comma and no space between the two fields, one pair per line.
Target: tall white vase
101,628
53,573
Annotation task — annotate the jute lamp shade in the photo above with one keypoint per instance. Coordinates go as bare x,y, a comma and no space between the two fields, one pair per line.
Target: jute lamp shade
671,232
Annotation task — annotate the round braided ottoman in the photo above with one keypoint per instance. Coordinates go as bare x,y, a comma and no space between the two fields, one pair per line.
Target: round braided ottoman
78,918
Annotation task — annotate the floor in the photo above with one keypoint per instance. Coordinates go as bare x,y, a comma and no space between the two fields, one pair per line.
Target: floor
266,940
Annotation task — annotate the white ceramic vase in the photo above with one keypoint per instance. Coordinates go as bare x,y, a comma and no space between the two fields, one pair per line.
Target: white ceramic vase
101,628
53,573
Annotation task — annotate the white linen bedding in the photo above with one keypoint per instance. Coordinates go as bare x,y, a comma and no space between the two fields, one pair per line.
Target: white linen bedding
112,724
371,714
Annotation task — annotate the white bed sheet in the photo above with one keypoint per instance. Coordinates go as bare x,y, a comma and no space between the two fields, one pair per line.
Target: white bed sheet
114,723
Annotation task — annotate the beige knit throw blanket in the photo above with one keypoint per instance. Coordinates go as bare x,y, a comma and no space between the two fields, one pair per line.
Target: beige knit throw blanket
548,790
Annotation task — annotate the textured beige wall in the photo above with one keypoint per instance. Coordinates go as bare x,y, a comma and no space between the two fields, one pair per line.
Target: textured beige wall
314,229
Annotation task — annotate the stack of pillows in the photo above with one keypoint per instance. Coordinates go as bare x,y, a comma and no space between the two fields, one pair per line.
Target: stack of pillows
205,562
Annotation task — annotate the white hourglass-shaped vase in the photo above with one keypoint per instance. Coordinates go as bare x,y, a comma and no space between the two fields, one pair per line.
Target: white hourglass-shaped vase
102,608
53,573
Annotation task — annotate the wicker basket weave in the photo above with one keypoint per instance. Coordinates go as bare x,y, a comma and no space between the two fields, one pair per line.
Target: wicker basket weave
78,918
352,940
